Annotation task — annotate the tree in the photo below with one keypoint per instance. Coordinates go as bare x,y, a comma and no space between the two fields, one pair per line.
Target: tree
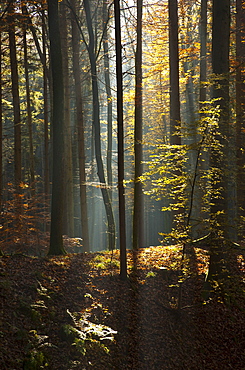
16,97
109,97
68,165
220,152
240,103
121,191
28,105
174,114
57,204
174,72
45,108
203,52
96,124
80,127
1,126
138,213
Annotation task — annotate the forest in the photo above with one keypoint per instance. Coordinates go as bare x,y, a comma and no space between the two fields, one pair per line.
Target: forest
122,166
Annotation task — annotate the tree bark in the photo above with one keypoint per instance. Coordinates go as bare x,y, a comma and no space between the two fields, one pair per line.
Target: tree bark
240,104
1,127
138,213
57,204
203,53
220,67
120,133
68,165
175,120
28,106
80,129
16,98
174,72
109,99
219,153
45,111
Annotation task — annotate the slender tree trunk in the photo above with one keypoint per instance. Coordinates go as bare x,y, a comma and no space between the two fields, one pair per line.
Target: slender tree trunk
92,202
204,165
96,123
29,115
68,166
16,98
17,121
138,213
194,204
57,204
121,190
175,138
45,111
80,130
109,99
1,127
203,53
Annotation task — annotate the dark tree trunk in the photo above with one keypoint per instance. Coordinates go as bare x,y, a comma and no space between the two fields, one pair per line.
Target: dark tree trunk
28,106
1,127
240,105
109,99
219,155
202,166
96,123
203,52
45,111
57,204
121,191
16,98
138,213
220,67
174,72
80,129
175,138
68,165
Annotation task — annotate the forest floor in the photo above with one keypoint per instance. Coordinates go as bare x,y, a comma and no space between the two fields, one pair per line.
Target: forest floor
74,312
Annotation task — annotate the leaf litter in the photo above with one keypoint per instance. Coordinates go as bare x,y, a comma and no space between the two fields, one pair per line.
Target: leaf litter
75,312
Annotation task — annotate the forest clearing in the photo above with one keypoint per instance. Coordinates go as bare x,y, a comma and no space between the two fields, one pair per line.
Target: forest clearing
75,312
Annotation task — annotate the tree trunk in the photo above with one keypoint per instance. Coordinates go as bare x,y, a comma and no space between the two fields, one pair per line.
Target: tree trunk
203,53
240,106
174,72
28,106
96,123
57,204
45,111
68,166
219,155
220,67
80,129
202,166
121,191
138,213
16,98
1,127
109,99
175,138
